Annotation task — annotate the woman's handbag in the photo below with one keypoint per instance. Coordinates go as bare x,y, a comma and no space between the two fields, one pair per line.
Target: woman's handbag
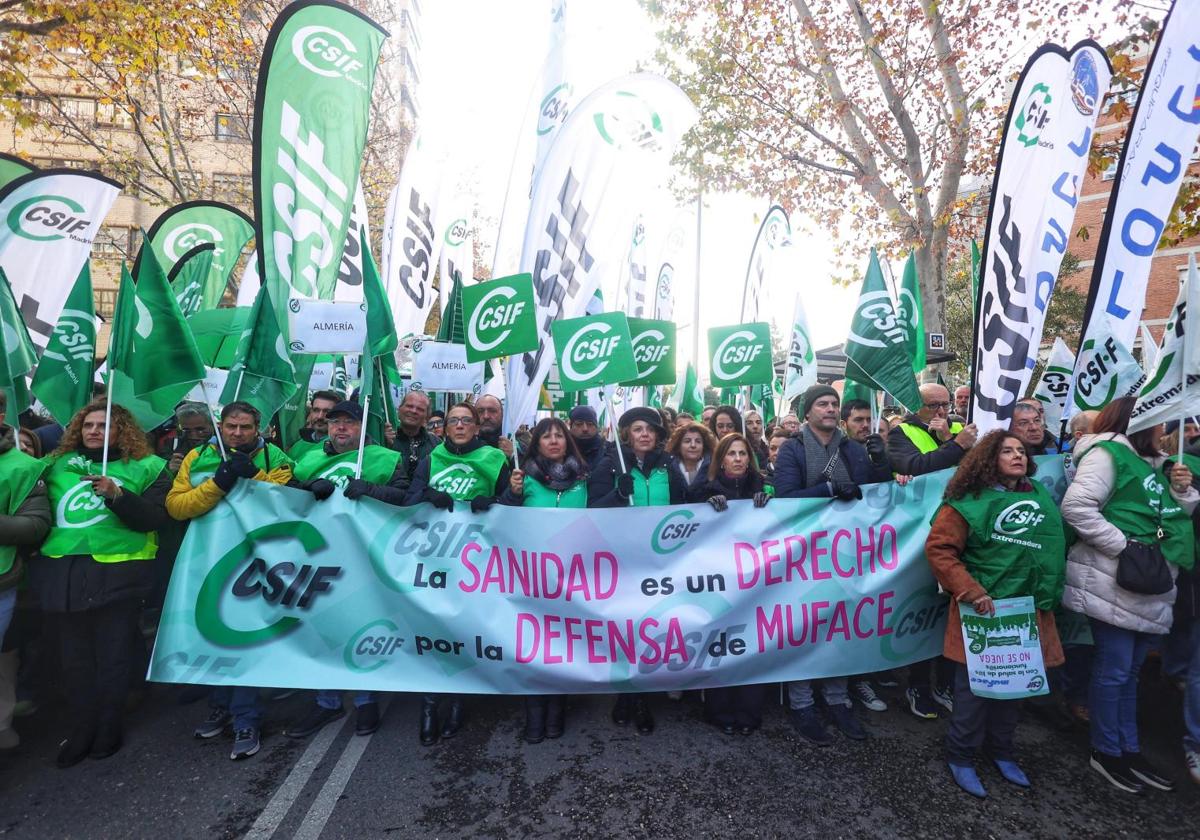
1142,568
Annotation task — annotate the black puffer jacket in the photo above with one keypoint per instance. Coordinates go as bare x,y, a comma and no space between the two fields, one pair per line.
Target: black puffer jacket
704,488
76,582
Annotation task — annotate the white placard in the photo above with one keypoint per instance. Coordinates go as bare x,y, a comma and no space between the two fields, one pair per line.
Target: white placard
327,326
442,366
209,391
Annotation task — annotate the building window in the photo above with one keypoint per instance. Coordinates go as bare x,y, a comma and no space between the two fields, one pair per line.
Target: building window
409,107
106,302
78,109
112,243
410,66
112,114
1128,96
232,187
1109,172
60,163
407,23
231,128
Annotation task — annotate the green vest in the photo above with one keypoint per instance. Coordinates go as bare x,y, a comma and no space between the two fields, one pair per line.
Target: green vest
1140,497
1017,544
18,475
267,458
539,495
302,447
465,476
922,439
653,490
379,464
83,523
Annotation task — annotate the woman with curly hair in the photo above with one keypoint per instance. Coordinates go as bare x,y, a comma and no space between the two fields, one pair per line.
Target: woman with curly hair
725,421
692,446
94,567
976,559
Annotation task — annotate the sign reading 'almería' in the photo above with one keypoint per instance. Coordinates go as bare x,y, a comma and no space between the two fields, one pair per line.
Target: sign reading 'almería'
500,317
275,588
653,351
740,355
593,350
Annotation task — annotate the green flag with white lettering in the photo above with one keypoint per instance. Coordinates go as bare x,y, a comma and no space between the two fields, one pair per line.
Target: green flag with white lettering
691,395
877,347
18,357
378,364
593,350
910,313
152,359
188,278
500,317
262,373
63,381
739,355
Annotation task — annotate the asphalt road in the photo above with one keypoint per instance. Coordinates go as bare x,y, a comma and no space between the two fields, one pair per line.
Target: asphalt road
685,780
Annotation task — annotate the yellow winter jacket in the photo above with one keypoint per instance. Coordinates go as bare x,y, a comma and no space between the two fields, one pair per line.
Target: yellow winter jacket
187,502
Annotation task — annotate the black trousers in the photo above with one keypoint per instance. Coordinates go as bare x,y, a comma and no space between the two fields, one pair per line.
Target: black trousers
978,722
97,650
738,705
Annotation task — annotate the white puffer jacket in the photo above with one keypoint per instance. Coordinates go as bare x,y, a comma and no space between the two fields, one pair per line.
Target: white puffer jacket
1092,561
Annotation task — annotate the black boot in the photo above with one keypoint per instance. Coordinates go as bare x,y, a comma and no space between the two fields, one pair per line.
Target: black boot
642,717
535,719
622,709
76,748
108,736
429,720
454,720
555,712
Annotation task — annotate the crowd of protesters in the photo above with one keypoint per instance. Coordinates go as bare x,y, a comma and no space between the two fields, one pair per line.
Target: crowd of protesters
90,528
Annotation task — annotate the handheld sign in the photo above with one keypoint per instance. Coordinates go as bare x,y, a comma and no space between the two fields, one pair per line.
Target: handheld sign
593,350
326,326
740,355
1004,651
500,317
442,366
653,351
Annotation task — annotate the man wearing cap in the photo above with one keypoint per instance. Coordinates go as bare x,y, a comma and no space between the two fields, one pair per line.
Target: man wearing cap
315,424
585,430
322,472
822,461
926,441
203,480
413,440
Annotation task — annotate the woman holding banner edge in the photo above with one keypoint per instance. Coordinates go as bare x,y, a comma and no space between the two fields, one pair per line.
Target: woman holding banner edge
641,473
554,476
976,568
461,468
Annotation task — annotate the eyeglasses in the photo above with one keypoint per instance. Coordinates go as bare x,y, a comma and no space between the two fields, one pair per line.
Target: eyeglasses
937,405
460,421
435,424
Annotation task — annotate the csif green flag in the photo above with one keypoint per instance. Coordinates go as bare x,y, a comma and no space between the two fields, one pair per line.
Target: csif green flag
18,357
911,314
378,363
501,317
188,276
63,381
691,395
152,359
177,232
262,373
877,347
740,355
593,350
653,351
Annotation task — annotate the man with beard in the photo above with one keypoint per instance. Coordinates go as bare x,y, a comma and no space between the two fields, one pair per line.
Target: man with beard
586,432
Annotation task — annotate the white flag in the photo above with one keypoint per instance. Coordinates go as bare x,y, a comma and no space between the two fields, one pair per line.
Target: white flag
620,137
349,286
774,233
801,371
1149,350
1173,389
411,240
48,221
636,288
1055,384
458,248
248,287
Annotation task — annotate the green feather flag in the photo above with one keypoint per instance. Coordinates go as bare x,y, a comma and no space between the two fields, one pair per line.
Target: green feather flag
63,381
17,357
877,347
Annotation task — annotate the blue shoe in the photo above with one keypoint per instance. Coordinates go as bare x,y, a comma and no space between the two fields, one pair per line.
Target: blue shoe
1012,773
967,779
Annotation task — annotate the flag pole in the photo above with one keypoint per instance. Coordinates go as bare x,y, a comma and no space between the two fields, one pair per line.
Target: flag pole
362,436
612,424
696,295
216,422
107,425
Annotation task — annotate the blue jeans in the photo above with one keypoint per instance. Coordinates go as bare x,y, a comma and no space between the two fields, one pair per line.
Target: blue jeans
1191,694
331,698
240,701
1112,700
8,604
833,689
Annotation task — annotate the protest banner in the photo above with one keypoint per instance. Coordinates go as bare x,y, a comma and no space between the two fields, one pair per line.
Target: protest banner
1004,651
275,588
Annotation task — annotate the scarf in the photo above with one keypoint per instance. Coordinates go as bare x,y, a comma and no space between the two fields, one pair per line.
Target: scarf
817,455
556,475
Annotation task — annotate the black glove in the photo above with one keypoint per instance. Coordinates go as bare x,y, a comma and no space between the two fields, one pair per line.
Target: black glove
357,488
761,499
439,499
242,466
719,503
847,491
225,477
481,504
625,485
321,488
877,450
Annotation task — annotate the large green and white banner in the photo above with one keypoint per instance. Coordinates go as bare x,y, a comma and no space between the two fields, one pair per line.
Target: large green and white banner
183,227
274,588
311,117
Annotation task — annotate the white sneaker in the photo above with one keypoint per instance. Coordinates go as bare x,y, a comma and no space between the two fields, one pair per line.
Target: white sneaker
1192,759
865,694
944,698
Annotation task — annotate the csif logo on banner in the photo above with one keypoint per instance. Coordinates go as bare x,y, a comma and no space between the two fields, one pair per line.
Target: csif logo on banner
554,108
245,573
629,121
500,317
1033,117
593,350
876,308
187,236
329,53
740,355
653,351
738,348
456,233
649,350
47,218
74,331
